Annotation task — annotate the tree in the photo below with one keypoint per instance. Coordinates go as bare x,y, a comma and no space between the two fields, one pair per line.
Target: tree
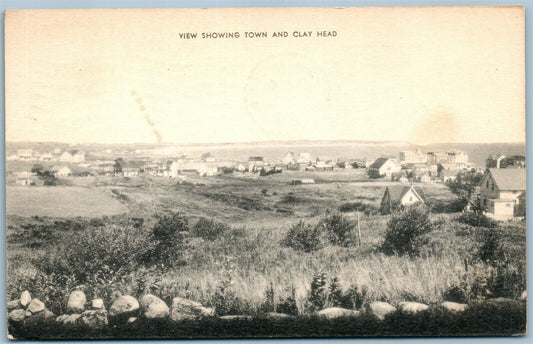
405,230
464,184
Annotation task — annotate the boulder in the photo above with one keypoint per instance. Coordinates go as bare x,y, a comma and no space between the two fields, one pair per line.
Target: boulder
16,315
380,309
454,306
36,306
132,320
68,319
94,319
523,297
124,305
275,315
412,307
25,298
153,307
44,315
14,304
97,304
76,302
187,309
337,312
236,317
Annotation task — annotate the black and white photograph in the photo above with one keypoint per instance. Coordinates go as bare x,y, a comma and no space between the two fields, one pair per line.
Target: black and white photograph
265,172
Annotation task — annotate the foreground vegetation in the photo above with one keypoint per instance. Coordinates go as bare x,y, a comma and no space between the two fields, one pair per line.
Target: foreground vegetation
250,252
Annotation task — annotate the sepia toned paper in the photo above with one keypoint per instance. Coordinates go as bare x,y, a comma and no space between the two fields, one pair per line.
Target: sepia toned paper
259,172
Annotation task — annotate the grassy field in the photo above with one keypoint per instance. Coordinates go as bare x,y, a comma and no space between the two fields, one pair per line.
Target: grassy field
60,201
247,259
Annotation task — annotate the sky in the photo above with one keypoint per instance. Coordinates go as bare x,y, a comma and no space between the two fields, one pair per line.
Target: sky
419,75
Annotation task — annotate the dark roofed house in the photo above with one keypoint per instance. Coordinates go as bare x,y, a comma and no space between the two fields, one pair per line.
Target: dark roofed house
208,157
255,163
126,168
384,166
502,193
401,195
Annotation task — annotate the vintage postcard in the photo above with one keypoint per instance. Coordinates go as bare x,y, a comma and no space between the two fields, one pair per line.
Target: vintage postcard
265,172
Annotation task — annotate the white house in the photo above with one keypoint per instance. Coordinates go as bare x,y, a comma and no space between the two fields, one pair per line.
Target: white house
74,157
382,167
24,178
402,194
61,171
502,193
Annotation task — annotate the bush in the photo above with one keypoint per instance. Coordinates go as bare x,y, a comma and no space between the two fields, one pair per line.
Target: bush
367,209
108,252
491,249
303,237
208,229
226,302
391,207
167,238
477,220
338,229
318,295
447,207
405,229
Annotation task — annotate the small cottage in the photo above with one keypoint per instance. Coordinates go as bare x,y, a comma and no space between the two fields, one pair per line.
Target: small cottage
401,195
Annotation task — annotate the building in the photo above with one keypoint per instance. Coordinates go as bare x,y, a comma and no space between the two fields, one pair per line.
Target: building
208,157
73,156
502,193
401,195
501,161
448,175
126,168
24,178
256,163
25,154
384,167
61,171
289,159
412,157
304,158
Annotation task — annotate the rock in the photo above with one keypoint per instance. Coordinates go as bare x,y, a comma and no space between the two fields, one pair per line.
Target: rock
28,314
412,307
17,315
43,315
14,304
68,319
132,320
10,337
337,312
153,307
187,309
274,315
36,306
454,306
523,297
123,305
380,309
236,317
97,304
76,302
502,302
25,298
94,319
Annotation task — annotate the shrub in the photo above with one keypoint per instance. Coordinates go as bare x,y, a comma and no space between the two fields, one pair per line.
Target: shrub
303,237
454,206
167,237
367,209
405,230
226,302
338,229
477,220
318,294
108,251
208,229
490,250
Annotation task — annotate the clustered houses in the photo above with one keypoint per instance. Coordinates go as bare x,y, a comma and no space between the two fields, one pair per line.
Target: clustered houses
416,166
